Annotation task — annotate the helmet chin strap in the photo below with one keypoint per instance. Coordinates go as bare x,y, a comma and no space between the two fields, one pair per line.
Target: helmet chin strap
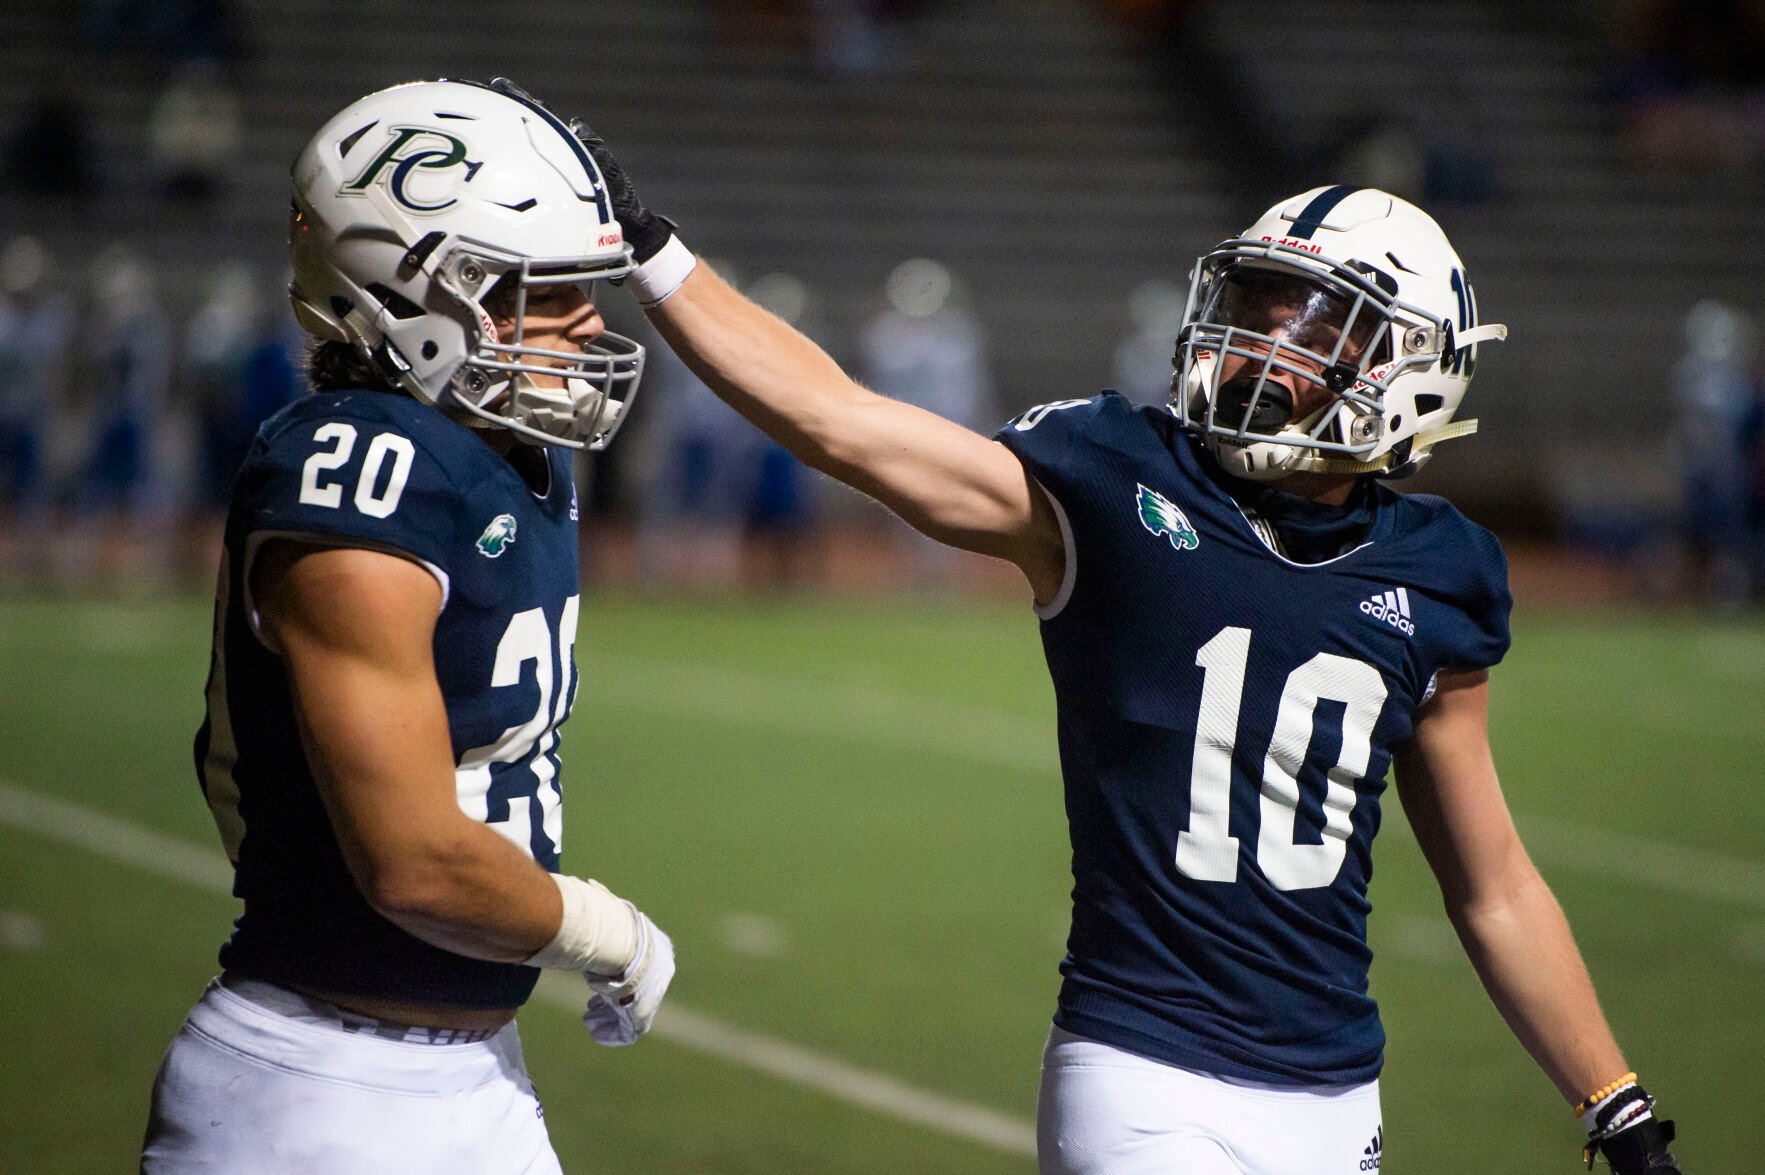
572,413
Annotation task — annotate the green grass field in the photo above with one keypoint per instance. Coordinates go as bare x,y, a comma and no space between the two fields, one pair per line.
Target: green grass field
848,816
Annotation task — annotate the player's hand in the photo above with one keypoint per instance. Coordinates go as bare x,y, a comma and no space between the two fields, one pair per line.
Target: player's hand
644,230
1639,1149
624,1006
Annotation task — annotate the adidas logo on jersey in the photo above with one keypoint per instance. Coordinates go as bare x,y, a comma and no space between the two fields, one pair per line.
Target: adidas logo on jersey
1393,608
1371,1161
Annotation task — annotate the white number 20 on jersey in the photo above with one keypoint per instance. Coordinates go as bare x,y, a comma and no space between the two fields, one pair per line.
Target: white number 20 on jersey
1207,851
371,497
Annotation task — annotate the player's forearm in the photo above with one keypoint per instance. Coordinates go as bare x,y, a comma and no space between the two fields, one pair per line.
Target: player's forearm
766,370
470,892
945,481
1525,954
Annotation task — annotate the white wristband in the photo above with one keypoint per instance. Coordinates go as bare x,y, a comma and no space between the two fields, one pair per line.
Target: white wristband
662,274
599,932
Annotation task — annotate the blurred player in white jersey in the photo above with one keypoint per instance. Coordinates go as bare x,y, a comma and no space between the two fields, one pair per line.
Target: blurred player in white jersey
394,628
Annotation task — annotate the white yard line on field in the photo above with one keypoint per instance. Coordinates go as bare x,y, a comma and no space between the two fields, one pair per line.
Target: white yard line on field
206,868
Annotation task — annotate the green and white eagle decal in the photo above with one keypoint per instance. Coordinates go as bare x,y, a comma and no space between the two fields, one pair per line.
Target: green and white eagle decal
1160,515
497,536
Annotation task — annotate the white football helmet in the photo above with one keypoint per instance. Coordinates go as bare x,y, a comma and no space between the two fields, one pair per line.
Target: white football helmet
412,204
1347,288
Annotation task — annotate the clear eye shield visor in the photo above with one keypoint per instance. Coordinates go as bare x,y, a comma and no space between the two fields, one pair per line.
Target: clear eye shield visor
1267,326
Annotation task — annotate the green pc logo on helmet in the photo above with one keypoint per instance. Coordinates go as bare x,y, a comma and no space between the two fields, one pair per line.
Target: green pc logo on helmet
428,155
497,536
1160,515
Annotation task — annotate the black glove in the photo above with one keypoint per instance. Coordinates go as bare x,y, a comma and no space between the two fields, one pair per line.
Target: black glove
1637,1149
645,232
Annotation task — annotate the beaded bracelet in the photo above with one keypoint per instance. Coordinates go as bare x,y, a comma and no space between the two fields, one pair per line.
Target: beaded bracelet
1603,1092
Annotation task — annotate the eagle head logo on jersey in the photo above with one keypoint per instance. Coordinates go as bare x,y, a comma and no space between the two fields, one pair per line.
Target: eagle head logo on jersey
497,536
1160,515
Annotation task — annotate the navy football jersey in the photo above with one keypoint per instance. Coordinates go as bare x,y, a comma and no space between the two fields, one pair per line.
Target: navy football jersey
383,471
1226,719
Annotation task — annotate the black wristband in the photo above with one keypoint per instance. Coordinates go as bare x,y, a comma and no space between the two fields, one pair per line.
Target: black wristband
1637,1149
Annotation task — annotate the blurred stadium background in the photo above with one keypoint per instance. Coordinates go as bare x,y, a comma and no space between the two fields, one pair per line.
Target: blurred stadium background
826,748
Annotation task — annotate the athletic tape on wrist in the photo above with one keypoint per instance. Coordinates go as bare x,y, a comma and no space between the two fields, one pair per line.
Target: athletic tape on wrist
662,274
599,932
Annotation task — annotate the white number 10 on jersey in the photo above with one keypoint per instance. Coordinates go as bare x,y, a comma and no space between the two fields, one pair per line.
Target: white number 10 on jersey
1207,851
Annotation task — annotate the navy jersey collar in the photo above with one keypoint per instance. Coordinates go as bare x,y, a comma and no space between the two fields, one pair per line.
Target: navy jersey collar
1309,532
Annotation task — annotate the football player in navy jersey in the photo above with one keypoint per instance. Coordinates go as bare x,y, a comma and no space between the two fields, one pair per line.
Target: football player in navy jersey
1245,628
394,625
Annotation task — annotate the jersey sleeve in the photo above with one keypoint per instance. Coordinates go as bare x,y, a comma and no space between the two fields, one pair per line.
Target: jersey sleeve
1057,444
1050,440
1490,605
351,482
1480,638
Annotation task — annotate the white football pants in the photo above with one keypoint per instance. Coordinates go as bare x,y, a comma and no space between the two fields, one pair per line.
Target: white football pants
247,1088
1103,1111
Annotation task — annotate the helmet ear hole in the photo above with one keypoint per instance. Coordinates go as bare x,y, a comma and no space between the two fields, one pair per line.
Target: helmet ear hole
396,304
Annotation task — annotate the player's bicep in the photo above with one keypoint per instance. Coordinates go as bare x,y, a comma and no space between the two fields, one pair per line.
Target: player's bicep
1447,783
355,628
949,482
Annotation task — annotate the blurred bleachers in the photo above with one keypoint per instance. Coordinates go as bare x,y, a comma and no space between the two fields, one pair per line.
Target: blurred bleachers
1026,143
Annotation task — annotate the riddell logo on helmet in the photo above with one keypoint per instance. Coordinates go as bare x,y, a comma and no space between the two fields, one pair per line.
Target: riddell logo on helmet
1291,243
613,238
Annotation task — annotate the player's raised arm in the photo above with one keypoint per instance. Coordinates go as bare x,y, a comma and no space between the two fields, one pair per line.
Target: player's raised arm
947,482
1512,927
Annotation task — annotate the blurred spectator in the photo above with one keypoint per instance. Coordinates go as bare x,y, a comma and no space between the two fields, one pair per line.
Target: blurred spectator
779,512
720,503
49,151
1715,437
241,360
194,131
218,345
1143,358
925,349
124,490
689,525
36,327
